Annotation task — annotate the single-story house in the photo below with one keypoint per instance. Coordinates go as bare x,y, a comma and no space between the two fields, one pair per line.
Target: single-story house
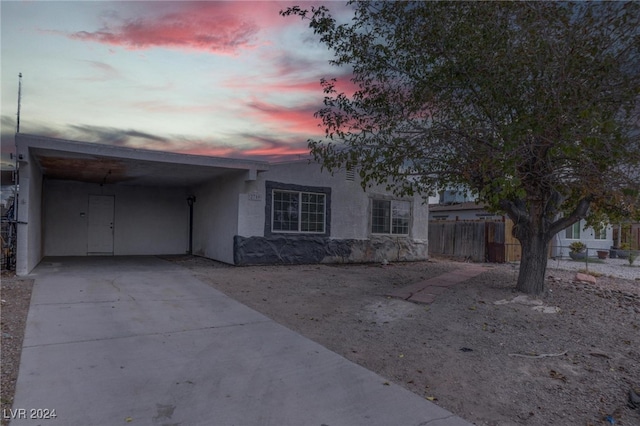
82,199
595,240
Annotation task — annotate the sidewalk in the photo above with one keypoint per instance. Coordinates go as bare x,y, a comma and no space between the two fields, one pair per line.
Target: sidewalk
140,341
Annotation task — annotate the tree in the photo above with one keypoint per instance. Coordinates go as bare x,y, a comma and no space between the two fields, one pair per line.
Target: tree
532,105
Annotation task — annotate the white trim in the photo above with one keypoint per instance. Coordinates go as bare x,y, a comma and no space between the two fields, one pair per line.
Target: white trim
391,201
299,230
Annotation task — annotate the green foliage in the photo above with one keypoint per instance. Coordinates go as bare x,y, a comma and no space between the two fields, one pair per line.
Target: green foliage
577,246
533,106
518,101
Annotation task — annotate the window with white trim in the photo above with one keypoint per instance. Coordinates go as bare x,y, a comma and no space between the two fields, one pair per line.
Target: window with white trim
600,233
573,232
298,211
390,217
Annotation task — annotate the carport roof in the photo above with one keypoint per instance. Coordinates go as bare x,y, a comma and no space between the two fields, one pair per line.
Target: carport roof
108,164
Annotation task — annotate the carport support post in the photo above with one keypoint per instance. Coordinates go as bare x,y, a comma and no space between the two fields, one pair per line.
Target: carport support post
190,200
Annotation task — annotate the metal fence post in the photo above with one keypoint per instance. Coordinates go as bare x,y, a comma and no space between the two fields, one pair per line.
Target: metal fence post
586,261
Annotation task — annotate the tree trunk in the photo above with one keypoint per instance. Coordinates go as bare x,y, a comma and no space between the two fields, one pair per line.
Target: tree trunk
535,251
534,229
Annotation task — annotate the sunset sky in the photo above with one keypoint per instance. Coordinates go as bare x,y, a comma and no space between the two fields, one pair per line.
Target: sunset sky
231,79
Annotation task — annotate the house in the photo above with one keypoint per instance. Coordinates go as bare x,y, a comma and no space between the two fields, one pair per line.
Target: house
82,199
601,239
456,205
465,229
466,210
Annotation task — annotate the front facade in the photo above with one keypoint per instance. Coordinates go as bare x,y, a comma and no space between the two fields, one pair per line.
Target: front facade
83,199
295,213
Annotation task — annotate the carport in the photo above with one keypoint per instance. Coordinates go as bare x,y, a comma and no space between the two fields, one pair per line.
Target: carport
82,199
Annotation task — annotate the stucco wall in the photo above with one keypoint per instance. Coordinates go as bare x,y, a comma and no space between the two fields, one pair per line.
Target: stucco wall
587,236
147,220
349,203
216,216
29,228
350,238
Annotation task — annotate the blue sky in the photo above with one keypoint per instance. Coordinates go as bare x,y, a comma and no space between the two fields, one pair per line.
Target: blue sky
231,79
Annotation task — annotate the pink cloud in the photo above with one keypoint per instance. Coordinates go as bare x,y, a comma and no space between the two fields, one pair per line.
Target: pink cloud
219,27
222,35
250,145
294,83
261,148
298,119
342,85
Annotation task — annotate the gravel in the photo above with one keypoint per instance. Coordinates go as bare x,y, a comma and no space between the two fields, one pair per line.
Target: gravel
618,268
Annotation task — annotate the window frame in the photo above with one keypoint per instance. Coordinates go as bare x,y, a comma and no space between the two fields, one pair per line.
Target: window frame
300,212
600,234
271,186
573,228
390,226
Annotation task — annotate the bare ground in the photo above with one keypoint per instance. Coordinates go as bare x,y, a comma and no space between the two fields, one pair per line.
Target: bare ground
419,346
493,364
14,306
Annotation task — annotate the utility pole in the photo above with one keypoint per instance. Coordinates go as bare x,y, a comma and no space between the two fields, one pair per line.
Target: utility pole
19,101
13,224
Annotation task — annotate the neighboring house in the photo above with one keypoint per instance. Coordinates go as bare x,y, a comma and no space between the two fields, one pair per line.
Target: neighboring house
468,210
82,199
459,206
466,229
594,240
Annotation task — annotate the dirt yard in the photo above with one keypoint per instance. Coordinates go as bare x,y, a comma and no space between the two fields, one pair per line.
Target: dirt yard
490,363
15,295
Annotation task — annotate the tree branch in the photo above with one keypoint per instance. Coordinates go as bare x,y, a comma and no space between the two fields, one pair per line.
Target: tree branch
580,212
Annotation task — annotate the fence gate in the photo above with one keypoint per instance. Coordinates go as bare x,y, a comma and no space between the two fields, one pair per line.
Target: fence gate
494,242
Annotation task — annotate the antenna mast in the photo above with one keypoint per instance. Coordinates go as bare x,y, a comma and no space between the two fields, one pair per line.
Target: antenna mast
19,100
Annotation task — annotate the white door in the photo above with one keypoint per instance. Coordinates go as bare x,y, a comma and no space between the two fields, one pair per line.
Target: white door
100,239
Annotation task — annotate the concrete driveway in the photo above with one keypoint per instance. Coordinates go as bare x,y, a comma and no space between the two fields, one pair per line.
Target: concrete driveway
141,341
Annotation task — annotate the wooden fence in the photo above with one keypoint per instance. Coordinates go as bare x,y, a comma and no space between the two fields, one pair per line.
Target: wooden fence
479,241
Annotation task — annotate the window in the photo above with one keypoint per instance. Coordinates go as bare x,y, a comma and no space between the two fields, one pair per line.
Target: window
390,217
600,233
573,232
296,211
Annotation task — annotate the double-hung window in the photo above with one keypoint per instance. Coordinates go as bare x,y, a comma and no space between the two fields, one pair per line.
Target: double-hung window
298,211
573,232
390,217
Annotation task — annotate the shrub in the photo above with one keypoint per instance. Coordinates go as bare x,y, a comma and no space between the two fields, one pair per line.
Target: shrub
577,246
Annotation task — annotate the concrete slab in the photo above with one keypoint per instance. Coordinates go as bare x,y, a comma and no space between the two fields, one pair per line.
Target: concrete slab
141,341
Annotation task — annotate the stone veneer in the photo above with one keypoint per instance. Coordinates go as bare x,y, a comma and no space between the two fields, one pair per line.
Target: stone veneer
303,249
